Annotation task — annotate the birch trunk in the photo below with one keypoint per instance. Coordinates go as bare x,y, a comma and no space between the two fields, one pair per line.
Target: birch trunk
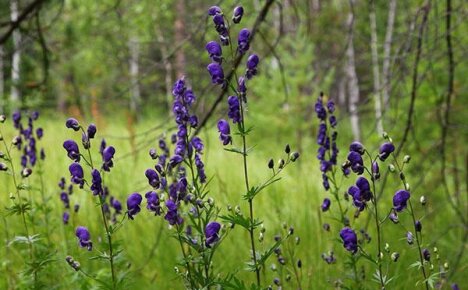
135,97
15,63
179,37
353,84
2,82
387,51
375,68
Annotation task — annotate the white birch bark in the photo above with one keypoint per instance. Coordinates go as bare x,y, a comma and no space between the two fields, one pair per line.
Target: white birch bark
387,52
2,82
15,63
135,98
375,68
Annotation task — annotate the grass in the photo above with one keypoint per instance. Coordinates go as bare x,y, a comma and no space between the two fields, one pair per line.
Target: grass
150,253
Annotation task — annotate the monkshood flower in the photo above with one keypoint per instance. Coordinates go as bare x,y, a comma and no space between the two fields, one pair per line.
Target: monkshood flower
214,51
153,178
385,150
84,238
73,152
61,183
16,116
76,172
238,13
349,239
242,89
172,214
355,162
64,198
197,144
375,170
91,131
200,168
116,204
65,218
252,63
243,41
224,132
153,205
133,204
409,238
418,226
72,124
426,255
39,133
214,10
357,147
212,233
107,155
234,109
326,204
216,73
220,26
400,199
96,186
360,193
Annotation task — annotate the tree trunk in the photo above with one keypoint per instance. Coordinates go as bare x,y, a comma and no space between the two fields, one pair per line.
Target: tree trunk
375,68
179,37
135,97
387,51
2,82
15,63
350,69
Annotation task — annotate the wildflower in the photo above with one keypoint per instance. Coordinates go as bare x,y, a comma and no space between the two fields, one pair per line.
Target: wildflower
426,255
349,239
216,72
243,41
72,124
96,186
212,233
39,133
65,218
76,172
234,109
91,131
393,217
385,150
16,119
357,147
326,204
454,286
115,203
84,237
214,10
152,199
238,13
214,50
418,226
375,170
72,149
200,168
153,178
64,198
107,155
197,144
172,215
252,63
241,88
133,204
400,199
224,132
409,238
356,162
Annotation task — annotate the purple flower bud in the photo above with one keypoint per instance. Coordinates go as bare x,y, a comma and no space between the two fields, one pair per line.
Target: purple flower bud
153,202
39,133
116,204
16,119
197,144
326,204
176,159
65,218
409,238
393,217
61,184
72,123
213,10
64,198
133,204
400,199
84,238
215,52
418,226
426,255
212,233
96,186
375,170
107,155
224,132
216,72
331,106
172,215
72,150
454,286
153,178
243,41
234,109
35,115
91,131
385,150
238,13
241,88
252,63
349,239
325,182
357,147
356,162
76,208
76,172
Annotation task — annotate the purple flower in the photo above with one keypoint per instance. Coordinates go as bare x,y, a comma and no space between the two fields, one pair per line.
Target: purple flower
357,147
175,160
172,215
212,233
356,162
72,123
153,178
426,255
61,184
385,150
349,239
241,88
216,72
320,110
84,237
364,187
326,204
234,109
331,106
39,133
152,199
238,13
393,217
215,52
418,226
252,63
454,286
224,132
200,168
375,170
91,131
197,144
107,155
409,238
214,10
76,172
133,204
65,218
96,186
16,119
243,41
116,204
325,182
400,199
64,198
73,151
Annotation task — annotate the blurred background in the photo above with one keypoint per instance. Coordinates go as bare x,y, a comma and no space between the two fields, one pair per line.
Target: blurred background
393,66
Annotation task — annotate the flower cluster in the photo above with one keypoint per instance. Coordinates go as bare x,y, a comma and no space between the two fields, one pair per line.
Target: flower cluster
65,193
